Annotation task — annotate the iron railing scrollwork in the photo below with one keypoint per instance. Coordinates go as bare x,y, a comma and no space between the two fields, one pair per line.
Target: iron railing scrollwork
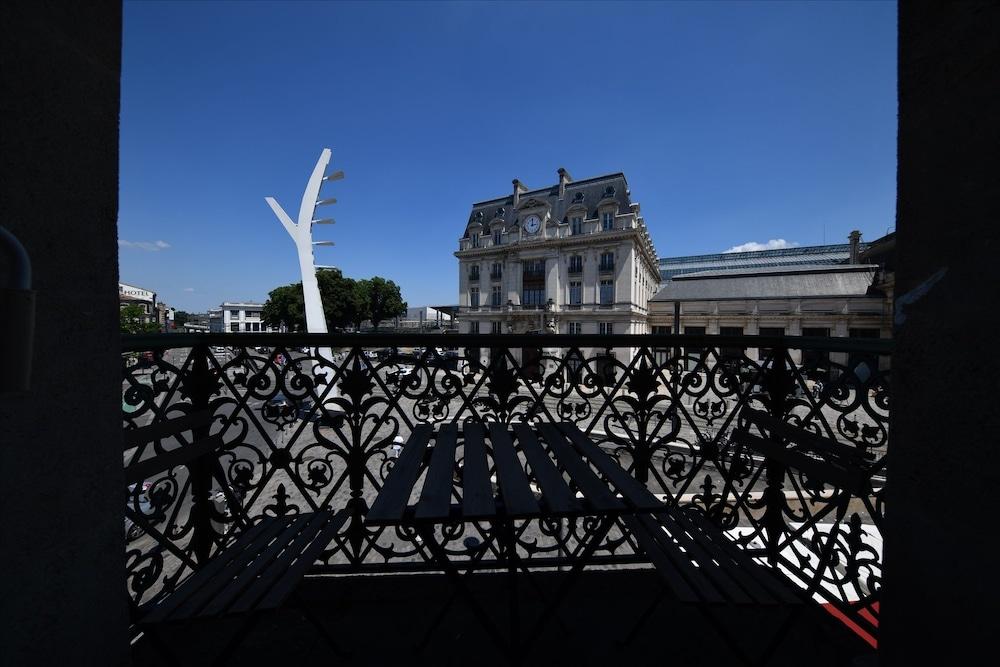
302,432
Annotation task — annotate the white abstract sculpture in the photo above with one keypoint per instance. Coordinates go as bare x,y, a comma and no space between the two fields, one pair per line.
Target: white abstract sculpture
301,233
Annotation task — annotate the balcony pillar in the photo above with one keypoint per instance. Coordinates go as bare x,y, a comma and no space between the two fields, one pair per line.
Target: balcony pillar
62,563
940,590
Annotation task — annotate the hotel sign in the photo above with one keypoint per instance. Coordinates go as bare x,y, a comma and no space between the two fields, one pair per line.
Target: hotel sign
130,292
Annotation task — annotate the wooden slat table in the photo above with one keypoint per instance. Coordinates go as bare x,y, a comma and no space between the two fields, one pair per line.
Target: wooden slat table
572,478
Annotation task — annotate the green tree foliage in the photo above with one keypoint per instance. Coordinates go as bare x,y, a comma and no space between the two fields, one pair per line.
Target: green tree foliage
285,307
385,300
346,302
132,317
181,318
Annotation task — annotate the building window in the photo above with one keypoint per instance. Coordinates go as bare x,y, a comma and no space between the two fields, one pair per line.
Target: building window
576,226
576,264
696,353
575,293
764,352
607,292
256,326
473,327
474,297
731,354
607,328
533,297
496,327
607,261
575,328
497,234
234,314
496,271
234,327
474,238
661,354
495,296
533,283
474,272
246,326
816,363
608,221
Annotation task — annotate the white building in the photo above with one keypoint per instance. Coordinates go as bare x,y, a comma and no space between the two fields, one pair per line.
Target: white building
574,257
238,317
424,317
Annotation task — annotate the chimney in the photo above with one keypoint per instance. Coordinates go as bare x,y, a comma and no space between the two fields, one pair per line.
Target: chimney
519,187
855,238
564,178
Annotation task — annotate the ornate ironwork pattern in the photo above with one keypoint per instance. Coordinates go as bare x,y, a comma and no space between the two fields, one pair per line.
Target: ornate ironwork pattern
665,406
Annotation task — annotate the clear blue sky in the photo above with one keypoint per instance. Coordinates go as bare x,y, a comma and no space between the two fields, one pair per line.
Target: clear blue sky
733,122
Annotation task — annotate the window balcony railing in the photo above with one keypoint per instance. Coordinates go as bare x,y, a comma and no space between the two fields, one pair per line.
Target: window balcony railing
314,421
606,266
496,275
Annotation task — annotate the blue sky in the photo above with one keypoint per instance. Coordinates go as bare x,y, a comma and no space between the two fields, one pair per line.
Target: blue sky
733,122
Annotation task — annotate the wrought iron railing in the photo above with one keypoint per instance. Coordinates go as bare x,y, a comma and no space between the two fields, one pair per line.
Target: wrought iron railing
302,432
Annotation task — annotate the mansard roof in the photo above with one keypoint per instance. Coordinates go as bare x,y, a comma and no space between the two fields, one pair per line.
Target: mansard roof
590,192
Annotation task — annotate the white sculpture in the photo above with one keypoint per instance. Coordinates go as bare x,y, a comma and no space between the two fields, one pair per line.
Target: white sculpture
301,233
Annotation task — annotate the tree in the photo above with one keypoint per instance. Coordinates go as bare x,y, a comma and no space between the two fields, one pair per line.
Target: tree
285,307
340,303
132,320
385,300
181,318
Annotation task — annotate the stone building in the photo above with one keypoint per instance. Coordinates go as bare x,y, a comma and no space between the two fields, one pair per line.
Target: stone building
822,301
574,257
238,317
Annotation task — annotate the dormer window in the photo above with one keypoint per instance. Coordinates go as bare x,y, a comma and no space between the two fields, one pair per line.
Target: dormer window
474,239
576,225
497,237
608,221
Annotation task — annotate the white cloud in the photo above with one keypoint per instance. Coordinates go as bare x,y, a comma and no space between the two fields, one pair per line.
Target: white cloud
148,246
188,289
773,244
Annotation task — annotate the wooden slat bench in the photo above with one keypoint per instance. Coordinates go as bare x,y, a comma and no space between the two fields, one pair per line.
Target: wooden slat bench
258,572
698,563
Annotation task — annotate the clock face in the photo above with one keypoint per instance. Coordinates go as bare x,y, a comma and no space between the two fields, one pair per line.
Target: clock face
532,224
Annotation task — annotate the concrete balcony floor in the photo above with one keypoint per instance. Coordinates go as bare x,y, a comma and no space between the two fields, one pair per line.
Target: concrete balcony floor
381,619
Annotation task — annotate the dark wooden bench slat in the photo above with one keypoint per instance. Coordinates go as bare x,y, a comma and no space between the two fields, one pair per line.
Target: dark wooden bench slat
634,492
435,496
681,562
134,437
595,492
802,436
477,490
242,549
247,577
274,571
721,572
556,493
291,577
852,480
518,500
391,501
760,576
665,567
736,565
155,465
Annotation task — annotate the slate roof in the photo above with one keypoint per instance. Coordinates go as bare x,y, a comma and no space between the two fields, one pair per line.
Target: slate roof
591,192
807,255
784,282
